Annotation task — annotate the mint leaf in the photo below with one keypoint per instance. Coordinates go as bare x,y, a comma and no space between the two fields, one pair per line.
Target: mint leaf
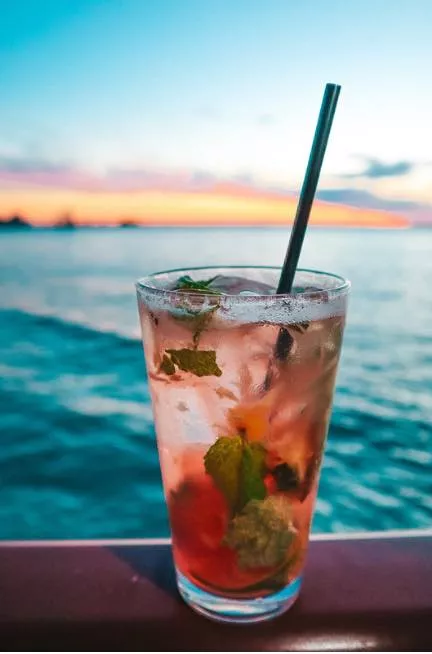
252,472
167,365
201,363
223,463
262,533
186,283
237,468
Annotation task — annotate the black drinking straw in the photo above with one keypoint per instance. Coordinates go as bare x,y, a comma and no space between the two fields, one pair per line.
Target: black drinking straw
307,194
310,183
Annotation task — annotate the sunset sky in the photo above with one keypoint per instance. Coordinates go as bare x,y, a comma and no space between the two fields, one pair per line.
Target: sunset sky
203,111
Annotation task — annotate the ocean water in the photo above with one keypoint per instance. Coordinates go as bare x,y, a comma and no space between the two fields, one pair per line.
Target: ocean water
78,456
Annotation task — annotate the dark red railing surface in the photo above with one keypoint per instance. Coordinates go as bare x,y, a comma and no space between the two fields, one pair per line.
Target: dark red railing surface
358,594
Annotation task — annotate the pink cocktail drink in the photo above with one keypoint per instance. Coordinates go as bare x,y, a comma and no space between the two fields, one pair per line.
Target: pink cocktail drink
242,383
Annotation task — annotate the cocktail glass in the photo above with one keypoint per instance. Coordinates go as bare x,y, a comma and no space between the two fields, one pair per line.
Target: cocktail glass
242,383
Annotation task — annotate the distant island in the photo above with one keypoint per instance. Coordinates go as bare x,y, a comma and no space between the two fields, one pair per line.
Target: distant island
65,221
129,223
19,222
15,222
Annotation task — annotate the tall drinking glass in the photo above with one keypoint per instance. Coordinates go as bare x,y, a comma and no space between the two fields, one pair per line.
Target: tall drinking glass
242,383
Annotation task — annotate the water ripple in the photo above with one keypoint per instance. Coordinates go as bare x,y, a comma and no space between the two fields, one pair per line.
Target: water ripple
78,455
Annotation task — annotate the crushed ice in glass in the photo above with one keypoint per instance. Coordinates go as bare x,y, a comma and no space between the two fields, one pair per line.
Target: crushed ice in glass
241,286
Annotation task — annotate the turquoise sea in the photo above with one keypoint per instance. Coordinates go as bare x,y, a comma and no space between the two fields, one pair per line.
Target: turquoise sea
78,456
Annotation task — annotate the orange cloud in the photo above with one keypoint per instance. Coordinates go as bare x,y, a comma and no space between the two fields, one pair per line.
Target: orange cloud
43,190
220,205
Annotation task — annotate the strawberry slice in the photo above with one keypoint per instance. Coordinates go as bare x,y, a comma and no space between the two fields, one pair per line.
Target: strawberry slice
199,516
199,520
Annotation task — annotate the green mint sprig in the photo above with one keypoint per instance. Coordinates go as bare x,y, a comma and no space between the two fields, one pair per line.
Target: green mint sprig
262,533
200,363
199,318
186,283
237,468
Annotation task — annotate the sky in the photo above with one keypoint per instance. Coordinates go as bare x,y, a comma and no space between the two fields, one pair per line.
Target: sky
189,111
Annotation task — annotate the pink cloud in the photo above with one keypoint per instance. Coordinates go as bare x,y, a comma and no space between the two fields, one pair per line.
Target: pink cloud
31,173
34,173
64,179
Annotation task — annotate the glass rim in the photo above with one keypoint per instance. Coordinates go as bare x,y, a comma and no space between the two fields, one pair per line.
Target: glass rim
142,284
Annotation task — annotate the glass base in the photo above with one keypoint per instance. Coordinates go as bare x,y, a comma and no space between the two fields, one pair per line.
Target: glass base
236,610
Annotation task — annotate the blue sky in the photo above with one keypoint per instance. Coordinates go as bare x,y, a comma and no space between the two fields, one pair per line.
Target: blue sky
223,88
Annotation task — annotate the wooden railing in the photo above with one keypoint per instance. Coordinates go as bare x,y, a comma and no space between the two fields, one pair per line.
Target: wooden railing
360,592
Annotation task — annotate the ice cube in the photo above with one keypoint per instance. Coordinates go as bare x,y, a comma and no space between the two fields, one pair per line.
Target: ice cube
241,286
